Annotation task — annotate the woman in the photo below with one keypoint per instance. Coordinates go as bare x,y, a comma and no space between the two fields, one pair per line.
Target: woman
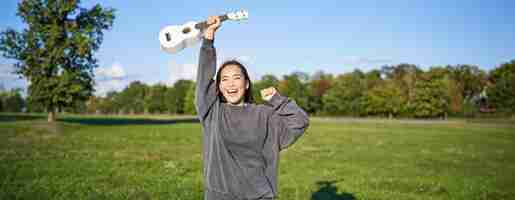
241,140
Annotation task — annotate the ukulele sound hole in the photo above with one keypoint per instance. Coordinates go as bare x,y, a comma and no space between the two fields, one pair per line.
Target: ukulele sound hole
186,30
168,38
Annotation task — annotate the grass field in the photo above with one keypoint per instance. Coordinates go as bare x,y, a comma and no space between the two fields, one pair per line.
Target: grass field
85,157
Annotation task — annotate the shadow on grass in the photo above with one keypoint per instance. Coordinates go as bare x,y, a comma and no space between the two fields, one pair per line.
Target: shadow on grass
10,117
328,191
107,121
85,120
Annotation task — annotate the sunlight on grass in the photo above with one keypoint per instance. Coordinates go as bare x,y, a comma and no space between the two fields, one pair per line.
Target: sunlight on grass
99,157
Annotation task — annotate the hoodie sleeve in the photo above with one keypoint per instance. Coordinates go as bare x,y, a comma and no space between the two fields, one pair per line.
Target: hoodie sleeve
205,91
288,121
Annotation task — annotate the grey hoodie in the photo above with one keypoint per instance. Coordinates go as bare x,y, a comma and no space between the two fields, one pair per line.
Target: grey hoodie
241,144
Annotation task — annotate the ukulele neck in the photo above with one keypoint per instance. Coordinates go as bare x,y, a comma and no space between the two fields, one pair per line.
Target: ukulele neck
203,25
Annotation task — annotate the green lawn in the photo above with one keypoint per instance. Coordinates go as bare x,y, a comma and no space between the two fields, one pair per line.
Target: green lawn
83,157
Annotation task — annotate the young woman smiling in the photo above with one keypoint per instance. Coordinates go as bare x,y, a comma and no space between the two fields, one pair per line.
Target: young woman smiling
241,140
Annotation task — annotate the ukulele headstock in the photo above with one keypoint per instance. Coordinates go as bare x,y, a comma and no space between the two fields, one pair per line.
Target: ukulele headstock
240,15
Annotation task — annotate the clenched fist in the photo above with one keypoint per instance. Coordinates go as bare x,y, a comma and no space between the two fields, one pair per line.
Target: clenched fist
267,93
213,24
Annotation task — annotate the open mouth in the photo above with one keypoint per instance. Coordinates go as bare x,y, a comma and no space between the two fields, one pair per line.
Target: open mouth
232,92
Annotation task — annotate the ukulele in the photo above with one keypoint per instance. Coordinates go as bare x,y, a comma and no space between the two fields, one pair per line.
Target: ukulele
177,37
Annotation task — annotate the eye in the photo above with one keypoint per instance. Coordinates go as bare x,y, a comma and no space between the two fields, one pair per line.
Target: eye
237,78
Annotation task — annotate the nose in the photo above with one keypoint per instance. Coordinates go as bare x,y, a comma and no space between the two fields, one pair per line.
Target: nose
232,83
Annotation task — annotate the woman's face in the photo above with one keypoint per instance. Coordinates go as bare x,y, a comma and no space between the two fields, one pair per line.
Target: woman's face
233,84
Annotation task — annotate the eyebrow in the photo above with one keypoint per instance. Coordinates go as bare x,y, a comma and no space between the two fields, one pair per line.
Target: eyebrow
235,74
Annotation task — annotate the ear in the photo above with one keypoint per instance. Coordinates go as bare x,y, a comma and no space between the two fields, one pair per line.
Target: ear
247,85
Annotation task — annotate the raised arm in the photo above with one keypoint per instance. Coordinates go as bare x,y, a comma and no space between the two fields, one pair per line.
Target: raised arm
206,88
288,121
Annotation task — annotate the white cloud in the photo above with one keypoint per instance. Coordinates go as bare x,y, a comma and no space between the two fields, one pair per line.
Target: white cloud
110,79
186,71
101,88
114,72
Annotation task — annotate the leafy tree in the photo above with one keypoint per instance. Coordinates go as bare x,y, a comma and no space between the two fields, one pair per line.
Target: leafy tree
189,101
452,89
429,99
3,95
257,86
11,101
470,79
181,88
170,98
34,107
93,105
132,98
345,97
156,96
405,76
372,78
467,81
111,103
55,51
384,99
75,107
269,80
302,76
293,87
502,92
317,87
438,72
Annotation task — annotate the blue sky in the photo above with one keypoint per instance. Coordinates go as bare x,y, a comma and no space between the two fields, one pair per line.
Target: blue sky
285,36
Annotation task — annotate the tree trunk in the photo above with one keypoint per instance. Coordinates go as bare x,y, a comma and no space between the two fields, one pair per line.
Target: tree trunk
51,116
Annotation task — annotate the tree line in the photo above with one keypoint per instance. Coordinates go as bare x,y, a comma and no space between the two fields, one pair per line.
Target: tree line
55,54
402,90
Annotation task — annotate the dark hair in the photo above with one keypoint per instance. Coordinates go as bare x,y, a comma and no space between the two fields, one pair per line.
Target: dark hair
247,98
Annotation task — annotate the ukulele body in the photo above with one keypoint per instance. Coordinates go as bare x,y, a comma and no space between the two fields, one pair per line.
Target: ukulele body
176,38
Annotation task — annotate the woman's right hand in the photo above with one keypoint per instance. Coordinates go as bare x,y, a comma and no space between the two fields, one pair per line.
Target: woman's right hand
213,23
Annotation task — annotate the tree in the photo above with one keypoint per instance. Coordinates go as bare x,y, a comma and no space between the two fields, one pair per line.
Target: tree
93,105
452,89
372,78
467,81
55,52
170,98
317,87
345,97
132,98
11,101
384,99
502,92
181,88
157,99
429,98
189,101
294,87
405,76
111,103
